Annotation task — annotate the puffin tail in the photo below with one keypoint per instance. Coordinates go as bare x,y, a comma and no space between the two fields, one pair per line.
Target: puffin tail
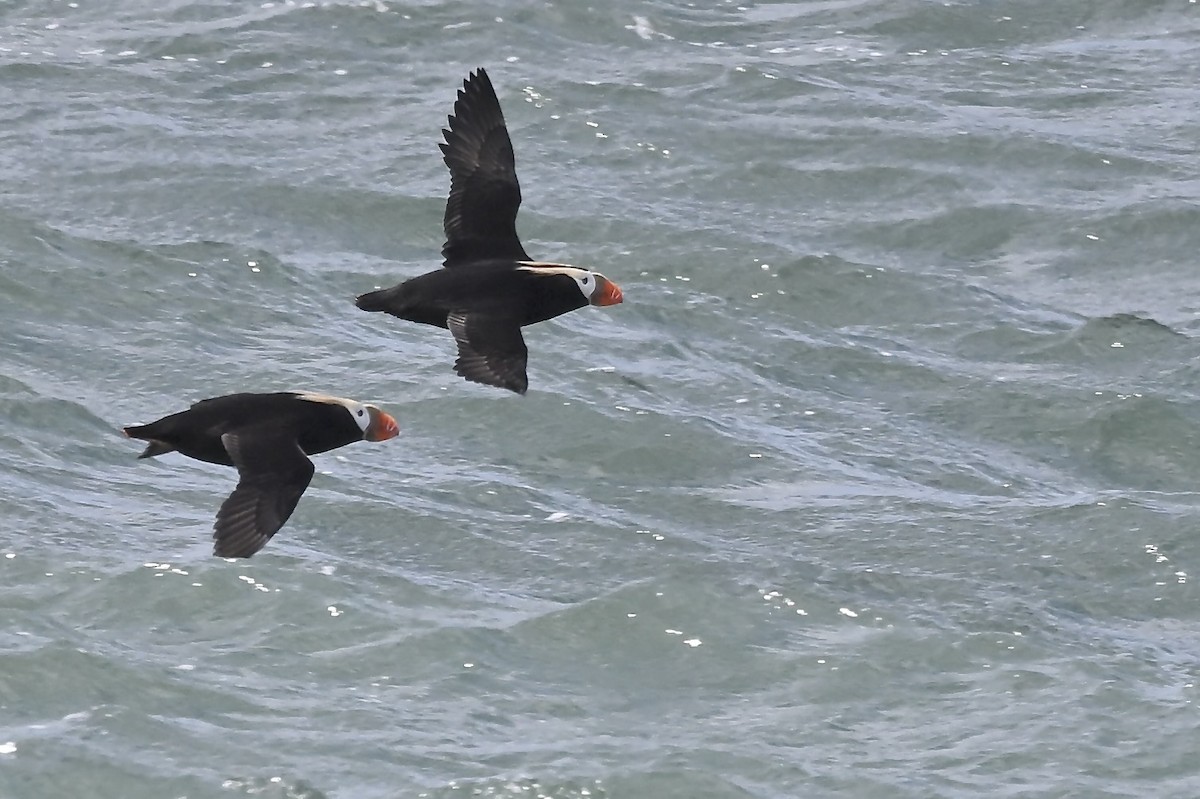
155,447
381,300
401,302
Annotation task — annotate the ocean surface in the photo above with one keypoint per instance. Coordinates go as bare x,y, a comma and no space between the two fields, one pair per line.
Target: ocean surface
884,481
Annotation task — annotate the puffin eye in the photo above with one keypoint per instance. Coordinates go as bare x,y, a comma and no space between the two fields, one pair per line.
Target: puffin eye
360,411
586,278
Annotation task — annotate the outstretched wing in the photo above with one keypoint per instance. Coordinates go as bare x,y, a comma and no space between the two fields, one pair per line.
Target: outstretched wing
490,350
481,212
273,473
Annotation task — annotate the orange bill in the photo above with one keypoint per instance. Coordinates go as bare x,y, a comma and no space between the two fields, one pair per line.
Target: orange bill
609,293
382,426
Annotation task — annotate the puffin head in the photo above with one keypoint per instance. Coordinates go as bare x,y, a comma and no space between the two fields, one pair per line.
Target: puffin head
376,425
596,288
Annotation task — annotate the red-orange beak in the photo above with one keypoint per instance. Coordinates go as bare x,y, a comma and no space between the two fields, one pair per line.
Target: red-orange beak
609,293
382,426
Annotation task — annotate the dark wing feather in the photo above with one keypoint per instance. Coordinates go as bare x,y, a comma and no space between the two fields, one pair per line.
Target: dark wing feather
273,473
490,350
481,213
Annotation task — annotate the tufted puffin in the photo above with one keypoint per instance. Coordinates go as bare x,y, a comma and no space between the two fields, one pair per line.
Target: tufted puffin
489,287
268,438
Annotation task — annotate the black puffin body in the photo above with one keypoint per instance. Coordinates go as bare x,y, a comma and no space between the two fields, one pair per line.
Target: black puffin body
268,438
490,287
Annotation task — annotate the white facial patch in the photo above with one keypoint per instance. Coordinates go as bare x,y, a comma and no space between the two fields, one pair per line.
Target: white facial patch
587,283
362,417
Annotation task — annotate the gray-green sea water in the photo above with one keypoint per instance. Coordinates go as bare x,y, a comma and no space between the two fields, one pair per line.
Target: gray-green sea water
882,482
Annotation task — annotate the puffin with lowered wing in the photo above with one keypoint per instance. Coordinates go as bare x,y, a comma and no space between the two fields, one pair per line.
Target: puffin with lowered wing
268,438
489,287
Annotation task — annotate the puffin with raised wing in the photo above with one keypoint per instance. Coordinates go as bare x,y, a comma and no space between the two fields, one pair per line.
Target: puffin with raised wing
267,438
489,287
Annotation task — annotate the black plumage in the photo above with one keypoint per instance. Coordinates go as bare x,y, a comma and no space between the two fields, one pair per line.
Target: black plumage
490,287
267,438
